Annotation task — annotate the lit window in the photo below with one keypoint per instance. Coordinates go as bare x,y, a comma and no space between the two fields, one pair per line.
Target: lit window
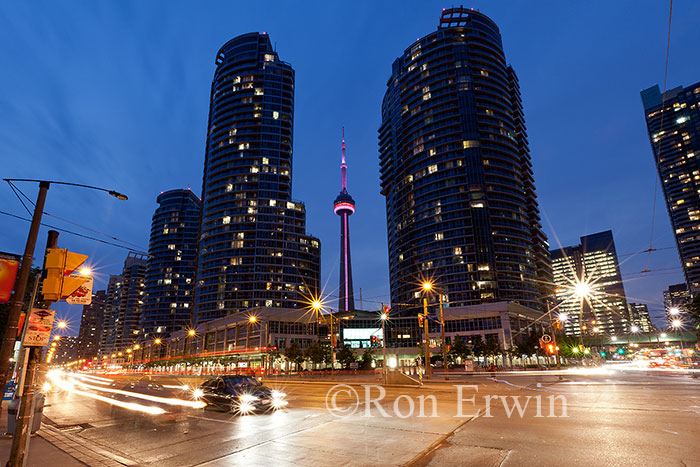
275,114
229,187
426,96
682,120
432,168
265,160
171,247
470,144
269,58
226,220
254,169
439,236
476,204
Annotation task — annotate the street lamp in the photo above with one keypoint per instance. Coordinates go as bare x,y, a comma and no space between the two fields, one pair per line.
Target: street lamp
383,317
677,324
674,311
8,341
428,287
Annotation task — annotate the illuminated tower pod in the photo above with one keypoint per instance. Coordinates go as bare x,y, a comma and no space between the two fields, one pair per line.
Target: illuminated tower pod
344,206
456,171
253,247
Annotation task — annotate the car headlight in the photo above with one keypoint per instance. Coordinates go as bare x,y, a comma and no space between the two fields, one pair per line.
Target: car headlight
197,393
247,398
278,395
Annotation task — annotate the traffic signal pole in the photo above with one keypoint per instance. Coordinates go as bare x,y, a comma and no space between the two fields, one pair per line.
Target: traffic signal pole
428,371
8,342
444,344
20,440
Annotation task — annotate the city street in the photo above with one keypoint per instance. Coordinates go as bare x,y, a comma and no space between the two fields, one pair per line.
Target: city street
620,418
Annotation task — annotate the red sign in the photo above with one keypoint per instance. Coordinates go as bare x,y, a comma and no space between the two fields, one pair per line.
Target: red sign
9,264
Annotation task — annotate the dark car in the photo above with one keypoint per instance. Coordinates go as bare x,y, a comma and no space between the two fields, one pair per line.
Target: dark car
240,394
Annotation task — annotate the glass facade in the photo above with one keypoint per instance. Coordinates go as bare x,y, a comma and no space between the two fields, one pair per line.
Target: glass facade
674,133
253,246
456,172
594,261
170,274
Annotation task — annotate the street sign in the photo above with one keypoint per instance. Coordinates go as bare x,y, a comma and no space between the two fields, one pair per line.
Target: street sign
354,365
546,338
39,328
82,296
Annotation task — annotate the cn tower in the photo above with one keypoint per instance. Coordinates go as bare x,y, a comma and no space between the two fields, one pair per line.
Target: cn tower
344,206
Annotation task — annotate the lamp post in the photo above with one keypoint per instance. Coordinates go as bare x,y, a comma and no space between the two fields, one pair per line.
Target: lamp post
8,342
384,316
678,325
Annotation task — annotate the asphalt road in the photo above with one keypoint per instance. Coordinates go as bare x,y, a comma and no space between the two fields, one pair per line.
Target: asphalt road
594,420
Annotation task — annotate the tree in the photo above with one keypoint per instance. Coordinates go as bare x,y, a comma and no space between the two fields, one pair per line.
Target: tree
345,355
367,359
460,349
294,354
314,352
492,347
478,346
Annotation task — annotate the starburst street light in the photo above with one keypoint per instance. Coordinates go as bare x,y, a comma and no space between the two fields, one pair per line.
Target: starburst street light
582,289
427,286
562,317
674,311
61,325
676,323
191,332
634,328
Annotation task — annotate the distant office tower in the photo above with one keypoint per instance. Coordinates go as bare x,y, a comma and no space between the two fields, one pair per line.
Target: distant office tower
91,326
676,299
111,315
253,249
639,317
344,206
674,132
172,256
456,171
593,262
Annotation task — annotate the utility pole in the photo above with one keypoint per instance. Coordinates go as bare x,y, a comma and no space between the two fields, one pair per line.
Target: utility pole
8,342
444,344
428,371
384,317
20,440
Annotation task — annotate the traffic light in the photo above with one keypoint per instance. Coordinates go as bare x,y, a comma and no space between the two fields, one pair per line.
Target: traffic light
420,320
550,349
620,350
59,264
603,354
374,341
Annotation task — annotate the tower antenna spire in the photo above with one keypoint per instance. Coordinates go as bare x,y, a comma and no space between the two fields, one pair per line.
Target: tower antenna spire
343,168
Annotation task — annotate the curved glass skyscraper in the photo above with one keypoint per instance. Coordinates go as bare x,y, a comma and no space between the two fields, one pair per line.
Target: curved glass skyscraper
170,271
253,247
456,171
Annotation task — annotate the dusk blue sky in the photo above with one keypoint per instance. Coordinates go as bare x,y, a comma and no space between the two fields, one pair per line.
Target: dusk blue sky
116,94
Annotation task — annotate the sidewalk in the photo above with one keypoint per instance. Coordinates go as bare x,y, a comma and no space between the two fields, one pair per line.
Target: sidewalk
41,452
